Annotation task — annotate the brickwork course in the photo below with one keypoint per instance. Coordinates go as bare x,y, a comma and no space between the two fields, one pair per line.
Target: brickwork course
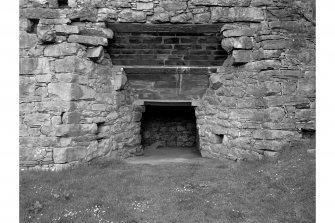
248,65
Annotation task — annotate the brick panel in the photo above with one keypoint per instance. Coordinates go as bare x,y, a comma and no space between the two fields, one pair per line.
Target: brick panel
167,49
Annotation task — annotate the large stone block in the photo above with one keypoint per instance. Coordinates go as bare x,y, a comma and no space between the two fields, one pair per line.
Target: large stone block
241,56
27,40
106,14
89,40
27,87
229,30
276,44
61,21
66,29
306,86
237,14
95,53
173,6
182,18
40,13
202,18
273,134
160,17
74,64
71,118
62,49
268,145
84,14
128,15
304,115
226,3
36,119
276,114
119,82
46,33
215,81
237,43
97,31
273,101
144,5
34,66
25,25
69,154
28,65
72,130
262,65
71,91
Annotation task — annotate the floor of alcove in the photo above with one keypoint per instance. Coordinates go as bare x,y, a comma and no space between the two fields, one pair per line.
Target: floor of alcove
167,155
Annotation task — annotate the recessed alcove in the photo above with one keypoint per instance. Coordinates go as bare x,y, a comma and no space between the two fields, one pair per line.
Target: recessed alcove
169,126
166,45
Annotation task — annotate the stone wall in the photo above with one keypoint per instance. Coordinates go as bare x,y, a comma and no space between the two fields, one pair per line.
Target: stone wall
76,106
264,95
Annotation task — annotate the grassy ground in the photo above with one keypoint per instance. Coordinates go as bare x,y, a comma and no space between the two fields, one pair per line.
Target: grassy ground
282,191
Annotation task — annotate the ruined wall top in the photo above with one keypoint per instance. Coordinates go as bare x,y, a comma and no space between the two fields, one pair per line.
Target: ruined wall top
169,11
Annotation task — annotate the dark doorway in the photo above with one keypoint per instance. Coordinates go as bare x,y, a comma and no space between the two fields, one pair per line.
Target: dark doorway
169,126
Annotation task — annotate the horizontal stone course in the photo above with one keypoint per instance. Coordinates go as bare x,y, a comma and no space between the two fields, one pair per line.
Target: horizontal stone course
89,40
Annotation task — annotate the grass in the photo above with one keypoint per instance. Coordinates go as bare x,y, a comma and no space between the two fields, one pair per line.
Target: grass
281,191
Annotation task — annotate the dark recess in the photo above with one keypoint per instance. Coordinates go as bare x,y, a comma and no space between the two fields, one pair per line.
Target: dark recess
173,125
63,3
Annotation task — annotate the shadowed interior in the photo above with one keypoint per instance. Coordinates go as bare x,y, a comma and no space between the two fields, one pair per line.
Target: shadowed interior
170,126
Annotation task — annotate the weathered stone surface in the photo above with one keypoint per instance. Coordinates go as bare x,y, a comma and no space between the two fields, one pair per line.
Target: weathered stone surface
54,21
182,18
89,40
202,18
305,114
306,86
70,91
72,130
237,14
229,30
27,40
66,29
106,14
46,34
28,65
144,5
36,119
273,101
173,6
230,3
62,49
273,134
84,14
276,44
160,18
68,154
25,25
71,118
262,65
237,43
74,64
215,82
100,32
39,13
95,53
118,82
241,56
128,15
276,114
258,3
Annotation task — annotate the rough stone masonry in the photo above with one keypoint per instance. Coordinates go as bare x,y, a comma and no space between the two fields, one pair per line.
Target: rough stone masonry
76,106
